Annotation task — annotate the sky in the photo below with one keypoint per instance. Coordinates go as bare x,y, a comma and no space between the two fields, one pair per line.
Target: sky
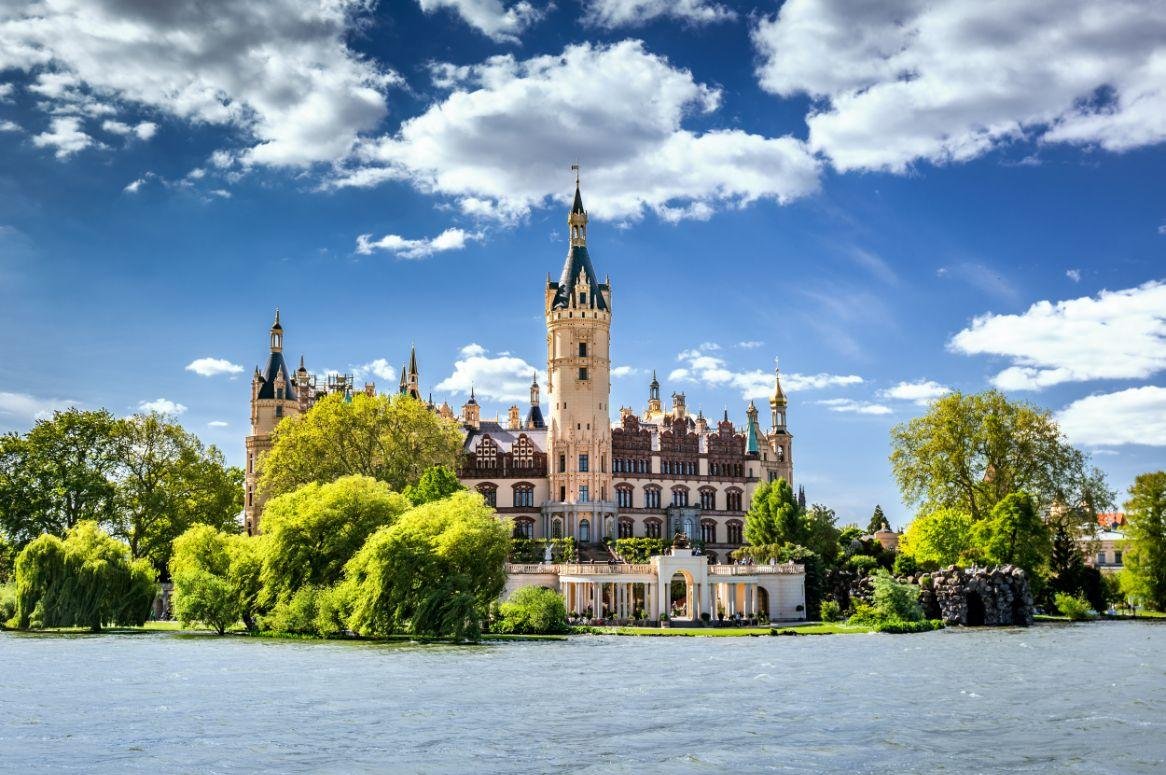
891,199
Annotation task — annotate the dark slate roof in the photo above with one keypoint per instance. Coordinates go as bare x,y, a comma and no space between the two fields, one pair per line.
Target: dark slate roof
578,262
578,207
503,436
534,418
275,365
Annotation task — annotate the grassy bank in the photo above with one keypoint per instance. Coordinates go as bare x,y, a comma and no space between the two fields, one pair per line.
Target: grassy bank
808,628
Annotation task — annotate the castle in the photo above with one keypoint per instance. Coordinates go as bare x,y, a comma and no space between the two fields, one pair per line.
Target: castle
577,473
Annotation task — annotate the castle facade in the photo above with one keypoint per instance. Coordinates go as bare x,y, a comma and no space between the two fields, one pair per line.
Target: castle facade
573,471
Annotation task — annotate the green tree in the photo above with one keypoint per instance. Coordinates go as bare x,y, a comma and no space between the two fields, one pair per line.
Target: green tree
1145,552
58,475
434,572
878,521
394,439
819,534
215,577
436,483
774,516
969,452
313,531
533,611
166,482
942,537
1014,534
86,580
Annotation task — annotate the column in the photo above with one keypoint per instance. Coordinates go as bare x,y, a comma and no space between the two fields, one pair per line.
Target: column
652,601
596,599
732,607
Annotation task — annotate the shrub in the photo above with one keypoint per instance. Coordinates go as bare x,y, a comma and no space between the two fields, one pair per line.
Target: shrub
905,565
640,550
831,611
7,602
1076,608
216,577
862,563
895,607
532,611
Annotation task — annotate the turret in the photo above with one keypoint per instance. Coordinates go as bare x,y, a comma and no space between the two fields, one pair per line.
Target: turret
513,418
534,418
276,334
777,404
471,412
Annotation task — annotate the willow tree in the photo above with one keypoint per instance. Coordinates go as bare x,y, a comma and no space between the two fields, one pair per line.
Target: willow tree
216,577
1145,556
969,452
395,439
88,579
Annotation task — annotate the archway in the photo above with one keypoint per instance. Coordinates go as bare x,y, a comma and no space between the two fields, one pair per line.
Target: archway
763,601
680,596
584,531
976,611
556,528
1019,611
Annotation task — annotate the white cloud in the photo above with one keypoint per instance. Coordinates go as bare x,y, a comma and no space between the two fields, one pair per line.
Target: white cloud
280,71
502,377
218,424
981,277
212,367
1133,416
1073,274
162,406
496,143
622,13
948,80
751,344
450,239
65,136
379,368
625,371
145,129
26,408
9,126
922,392
850,406
134,186
1115,335
6,90
711,370
497,21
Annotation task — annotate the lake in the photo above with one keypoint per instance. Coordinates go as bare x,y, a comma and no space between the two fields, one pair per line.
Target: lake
1052,698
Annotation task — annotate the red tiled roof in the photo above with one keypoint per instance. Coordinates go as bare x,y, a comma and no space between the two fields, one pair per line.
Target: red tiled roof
1111,519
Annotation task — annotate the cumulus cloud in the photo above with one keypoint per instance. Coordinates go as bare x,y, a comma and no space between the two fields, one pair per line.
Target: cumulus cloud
9,126
25,408
212,367
701,366
64,136
1115,335
1073,274
625,371
850,406
497,21
631,13
922,392
750,344
949,80
162,406
495,144
499,377
450,239
1133,416
279,71
379,368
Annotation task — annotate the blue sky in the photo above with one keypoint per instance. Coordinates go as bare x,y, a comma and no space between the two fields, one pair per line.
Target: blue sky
895,199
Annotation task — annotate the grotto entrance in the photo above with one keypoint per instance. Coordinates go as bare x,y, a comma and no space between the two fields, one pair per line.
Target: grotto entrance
976,610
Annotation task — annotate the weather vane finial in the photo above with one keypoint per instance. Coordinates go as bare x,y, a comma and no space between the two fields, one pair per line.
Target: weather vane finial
575,169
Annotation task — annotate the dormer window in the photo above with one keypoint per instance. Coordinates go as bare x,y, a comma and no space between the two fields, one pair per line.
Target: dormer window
582,298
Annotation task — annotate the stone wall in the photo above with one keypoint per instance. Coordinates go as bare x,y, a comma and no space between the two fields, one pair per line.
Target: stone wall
997,596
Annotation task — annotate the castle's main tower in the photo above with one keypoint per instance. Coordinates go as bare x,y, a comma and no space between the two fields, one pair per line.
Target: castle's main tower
578,314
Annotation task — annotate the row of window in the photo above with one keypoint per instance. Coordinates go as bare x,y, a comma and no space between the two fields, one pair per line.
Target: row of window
524,528
624,495
675,467
631,466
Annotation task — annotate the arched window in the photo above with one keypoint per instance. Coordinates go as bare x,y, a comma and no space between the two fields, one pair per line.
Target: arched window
524,494
652,497
623,496
556,528
584,531
679,496
733,499
734,529
626,528
524,527
708,531
489,491
708,498
652,527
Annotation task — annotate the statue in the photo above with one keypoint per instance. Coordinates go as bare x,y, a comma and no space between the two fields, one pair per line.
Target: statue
547,557
680,540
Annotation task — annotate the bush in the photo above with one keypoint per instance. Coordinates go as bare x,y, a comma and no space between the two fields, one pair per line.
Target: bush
1076,608
527,550
532,611
905,565
862,563
216,577
831,611
7,603
640,550
906,628
895,607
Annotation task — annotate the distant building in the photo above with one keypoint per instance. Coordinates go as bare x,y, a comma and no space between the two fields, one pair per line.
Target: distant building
1105,551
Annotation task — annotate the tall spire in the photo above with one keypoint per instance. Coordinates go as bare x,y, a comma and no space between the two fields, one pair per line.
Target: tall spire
577,220
413,361
777,403
276,334
404,386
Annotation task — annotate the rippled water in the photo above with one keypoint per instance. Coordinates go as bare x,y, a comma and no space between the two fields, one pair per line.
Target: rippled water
1088,698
